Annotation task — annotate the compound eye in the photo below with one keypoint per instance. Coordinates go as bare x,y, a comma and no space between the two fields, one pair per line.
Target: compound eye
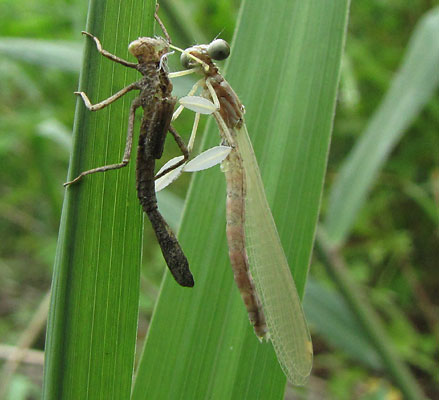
218,50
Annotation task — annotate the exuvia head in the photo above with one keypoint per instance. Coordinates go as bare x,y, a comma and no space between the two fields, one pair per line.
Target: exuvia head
147,49
217,50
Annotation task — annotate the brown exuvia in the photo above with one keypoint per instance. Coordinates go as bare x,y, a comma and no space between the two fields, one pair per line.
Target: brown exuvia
158,104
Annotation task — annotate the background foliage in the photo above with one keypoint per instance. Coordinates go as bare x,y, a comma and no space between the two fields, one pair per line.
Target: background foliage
392,249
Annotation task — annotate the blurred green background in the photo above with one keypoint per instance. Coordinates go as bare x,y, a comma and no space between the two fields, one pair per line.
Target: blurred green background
391,252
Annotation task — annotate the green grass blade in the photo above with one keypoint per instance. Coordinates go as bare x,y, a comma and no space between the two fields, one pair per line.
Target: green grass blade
93,315
285,68
333,319
55,54
412,87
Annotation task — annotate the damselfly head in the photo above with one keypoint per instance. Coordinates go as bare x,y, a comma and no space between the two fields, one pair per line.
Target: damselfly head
147,49
217,50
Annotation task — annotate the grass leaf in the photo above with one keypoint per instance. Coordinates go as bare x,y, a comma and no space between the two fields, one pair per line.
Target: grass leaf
55,54
412,87
95,292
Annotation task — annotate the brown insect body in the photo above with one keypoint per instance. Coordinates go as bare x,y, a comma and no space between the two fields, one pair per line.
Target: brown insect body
158,104
155,125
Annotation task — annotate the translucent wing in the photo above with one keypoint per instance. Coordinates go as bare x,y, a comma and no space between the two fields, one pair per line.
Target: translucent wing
208,159
204,160
171,176
198,104
269,267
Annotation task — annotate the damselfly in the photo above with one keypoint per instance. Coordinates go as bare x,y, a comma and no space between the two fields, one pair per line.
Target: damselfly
260,266
158,105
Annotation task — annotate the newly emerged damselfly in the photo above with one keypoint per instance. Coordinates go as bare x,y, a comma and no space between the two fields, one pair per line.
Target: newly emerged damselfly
260,266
